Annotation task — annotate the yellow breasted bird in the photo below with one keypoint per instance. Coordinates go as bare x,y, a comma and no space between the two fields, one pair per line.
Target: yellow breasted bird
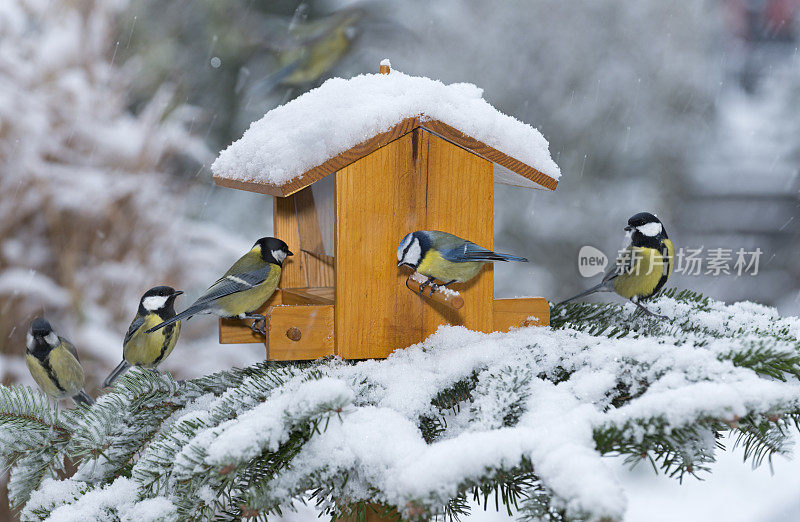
244,287
643,268
443,256
54,364
306,50
144,349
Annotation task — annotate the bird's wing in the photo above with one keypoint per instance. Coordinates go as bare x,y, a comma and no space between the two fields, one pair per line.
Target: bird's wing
137,323
469,251
290,33
250,262
70,348
622,264
232,283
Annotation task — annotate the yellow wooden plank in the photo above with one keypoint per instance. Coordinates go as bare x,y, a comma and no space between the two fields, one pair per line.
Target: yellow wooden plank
303,296
460,200
299,333
285,228
379,199
524,311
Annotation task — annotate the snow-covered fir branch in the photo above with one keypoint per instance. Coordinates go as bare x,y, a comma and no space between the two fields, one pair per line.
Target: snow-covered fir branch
521,420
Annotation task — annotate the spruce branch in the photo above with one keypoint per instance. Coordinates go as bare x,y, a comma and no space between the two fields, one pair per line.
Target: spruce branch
525,406
34,440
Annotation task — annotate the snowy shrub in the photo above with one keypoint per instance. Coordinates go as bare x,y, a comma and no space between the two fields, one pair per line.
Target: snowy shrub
88,216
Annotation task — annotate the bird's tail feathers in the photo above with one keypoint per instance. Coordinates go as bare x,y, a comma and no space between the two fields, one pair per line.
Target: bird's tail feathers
509,257
597,288
115,373
181,316
494,256
83,398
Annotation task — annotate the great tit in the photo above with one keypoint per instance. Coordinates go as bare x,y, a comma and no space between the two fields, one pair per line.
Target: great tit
643,268
54,364
244,287
443,256
307,50
144,349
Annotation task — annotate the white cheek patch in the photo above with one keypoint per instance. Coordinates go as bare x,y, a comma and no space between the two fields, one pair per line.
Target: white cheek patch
52,339
402,248
29,341
650,229
414,253
154,302
279,255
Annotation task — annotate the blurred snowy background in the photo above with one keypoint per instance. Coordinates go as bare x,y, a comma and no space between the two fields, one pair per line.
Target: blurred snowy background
111,111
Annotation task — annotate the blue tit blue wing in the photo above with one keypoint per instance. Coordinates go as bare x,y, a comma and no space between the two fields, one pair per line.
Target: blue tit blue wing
137,323
469,251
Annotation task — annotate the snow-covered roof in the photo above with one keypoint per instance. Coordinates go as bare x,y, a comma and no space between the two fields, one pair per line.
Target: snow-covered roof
341,114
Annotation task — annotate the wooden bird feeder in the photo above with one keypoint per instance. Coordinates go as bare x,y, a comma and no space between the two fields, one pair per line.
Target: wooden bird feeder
343,217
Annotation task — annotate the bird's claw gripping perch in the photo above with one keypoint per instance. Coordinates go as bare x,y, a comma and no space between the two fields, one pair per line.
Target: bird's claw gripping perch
426,283
258,319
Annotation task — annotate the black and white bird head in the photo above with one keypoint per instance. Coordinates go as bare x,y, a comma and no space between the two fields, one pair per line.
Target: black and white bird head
272,250
412,248
159,299
41,338
645,228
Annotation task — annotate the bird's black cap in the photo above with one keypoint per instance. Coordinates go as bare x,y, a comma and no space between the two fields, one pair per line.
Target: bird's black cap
40,327
271,244
642,218
165,291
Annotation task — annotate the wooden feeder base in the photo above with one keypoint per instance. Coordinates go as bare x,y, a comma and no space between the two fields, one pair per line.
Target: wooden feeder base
300,322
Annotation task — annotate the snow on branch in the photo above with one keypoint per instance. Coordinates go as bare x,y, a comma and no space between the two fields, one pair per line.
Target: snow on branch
530,414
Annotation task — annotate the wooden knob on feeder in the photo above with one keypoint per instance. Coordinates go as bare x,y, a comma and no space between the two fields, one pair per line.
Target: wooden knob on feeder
386,66
294,333
442,295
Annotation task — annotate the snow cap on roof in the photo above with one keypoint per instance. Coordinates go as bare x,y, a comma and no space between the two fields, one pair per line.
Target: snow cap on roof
340,114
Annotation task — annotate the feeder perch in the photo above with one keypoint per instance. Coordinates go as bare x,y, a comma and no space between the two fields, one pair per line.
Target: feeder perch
344,210
445,296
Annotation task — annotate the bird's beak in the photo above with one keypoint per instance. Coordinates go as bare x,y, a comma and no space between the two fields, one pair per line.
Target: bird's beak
399,263
289,253
628,228
176,293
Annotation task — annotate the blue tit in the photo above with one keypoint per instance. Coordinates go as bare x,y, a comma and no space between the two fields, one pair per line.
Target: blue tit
244,288
54,364
144,349
641,269
443,256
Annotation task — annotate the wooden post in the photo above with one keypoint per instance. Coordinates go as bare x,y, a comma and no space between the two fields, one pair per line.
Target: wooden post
386,66
442,295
